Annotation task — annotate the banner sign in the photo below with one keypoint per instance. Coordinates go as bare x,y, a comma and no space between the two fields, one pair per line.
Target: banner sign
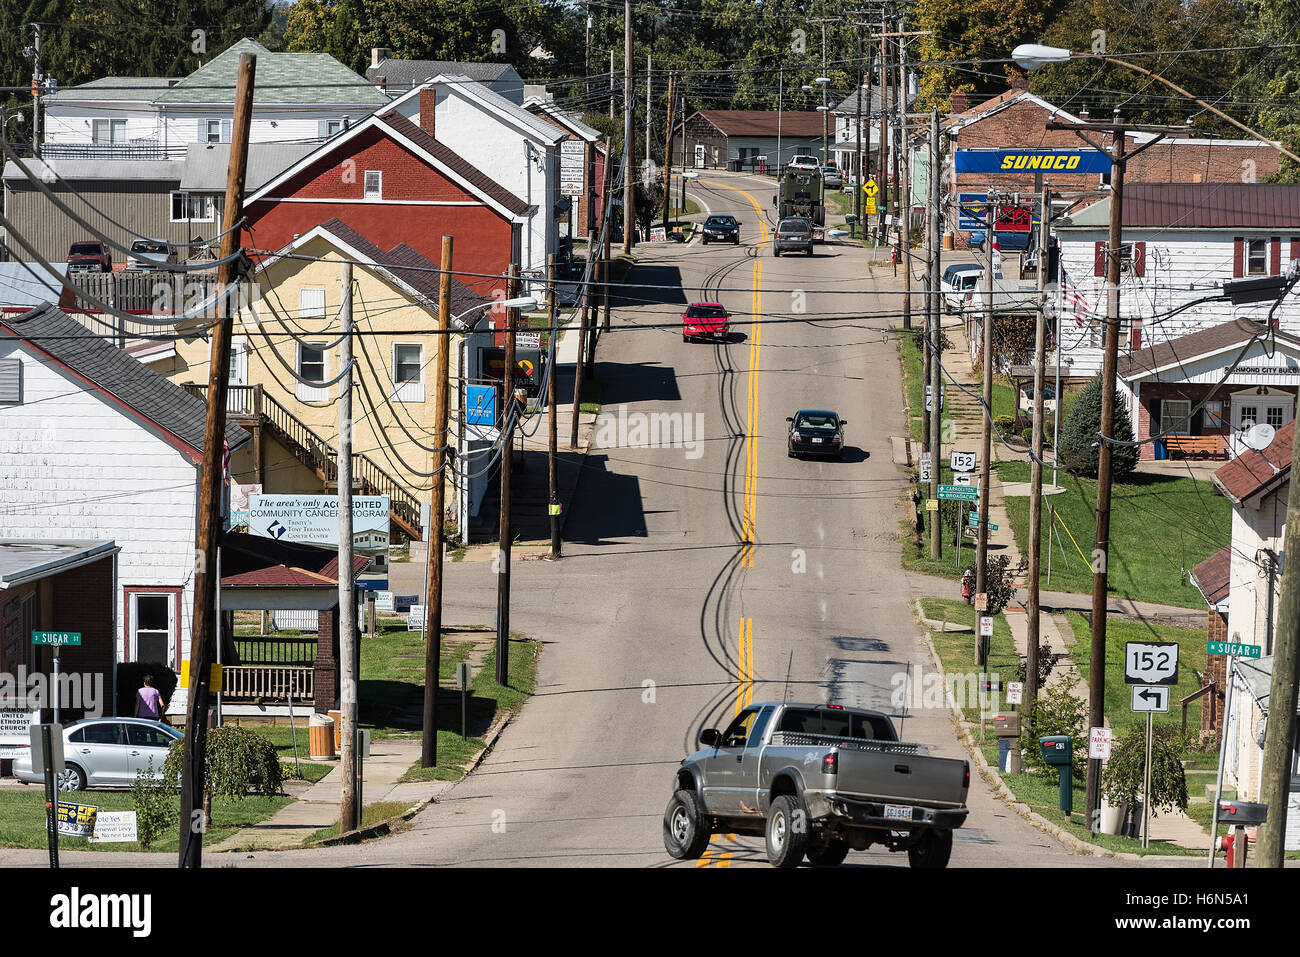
76,820
1032,161
972,209
573,167
314,520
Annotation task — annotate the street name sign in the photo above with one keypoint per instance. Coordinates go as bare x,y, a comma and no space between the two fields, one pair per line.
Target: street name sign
1233,648
57,638
1151,662
973,520
1147,698
959,493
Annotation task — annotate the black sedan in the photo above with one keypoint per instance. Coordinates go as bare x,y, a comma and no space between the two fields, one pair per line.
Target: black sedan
816,432
721,229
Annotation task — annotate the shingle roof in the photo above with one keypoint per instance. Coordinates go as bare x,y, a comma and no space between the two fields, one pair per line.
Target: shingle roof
1199,206
1213,576
763,122
408,266
165,404
454,161
406,73
1253,472
1235,332
111,89
294,79
251,561
849,105
566,119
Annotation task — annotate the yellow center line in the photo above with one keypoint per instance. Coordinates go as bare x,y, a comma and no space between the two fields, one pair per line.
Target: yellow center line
745,665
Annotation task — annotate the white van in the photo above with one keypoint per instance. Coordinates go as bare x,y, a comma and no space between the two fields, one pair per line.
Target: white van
958,282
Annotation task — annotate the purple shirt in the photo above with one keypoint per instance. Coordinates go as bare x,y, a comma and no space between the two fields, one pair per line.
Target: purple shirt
148,703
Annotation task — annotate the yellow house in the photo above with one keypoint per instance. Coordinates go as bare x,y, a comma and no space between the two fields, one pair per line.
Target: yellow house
290,324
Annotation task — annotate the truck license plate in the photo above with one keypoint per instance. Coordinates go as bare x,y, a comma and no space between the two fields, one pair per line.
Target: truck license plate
898,812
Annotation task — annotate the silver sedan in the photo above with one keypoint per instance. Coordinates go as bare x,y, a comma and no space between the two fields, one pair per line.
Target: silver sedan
107,752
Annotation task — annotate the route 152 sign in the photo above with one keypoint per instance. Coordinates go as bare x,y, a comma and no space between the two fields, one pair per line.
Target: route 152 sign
1151,663
962,461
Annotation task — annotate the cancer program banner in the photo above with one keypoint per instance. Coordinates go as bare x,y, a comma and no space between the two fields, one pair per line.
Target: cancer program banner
314,520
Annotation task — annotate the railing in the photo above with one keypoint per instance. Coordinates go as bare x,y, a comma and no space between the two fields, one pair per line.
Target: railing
139,150
249,682
276,651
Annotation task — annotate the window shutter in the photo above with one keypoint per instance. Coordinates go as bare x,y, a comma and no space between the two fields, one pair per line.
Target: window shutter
225,130
1295,248
1139,259
203,131
1238,258
1275,256
11,381
1099,259
322,129
1135,333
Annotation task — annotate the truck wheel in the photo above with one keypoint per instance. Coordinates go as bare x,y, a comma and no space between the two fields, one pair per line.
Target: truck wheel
775,251
932,852
830,854
819,215
686,827
787,832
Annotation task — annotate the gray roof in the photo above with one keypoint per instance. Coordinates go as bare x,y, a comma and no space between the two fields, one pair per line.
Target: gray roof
206,164
27,285
849,105
569,120
291,79
1257,673
480,90
24,559
112,89
408,73
154,171
164,403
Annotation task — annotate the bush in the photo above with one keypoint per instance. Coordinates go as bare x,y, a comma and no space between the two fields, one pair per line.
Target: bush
1046,662
1027,435
1121,778
1057,711
945,343
237,761
130,679
1080,431
1000,581
1004,423
157,808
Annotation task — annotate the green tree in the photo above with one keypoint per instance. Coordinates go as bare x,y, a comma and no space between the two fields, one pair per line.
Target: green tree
1268,83
1078,451
1122,777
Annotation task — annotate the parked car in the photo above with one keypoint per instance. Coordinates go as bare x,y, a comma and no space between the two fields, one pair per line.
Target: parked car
151,254
705,320
817,781
832,177
721,229
106,752
958,282
793,234
815,432
803,162
89,257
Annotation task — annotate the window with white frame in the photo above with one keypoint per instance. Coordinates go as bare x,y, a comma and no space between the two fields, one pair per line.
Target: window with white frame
408,372
152,625
312,366
214,131
374,184
1273,416
108,131
1257,257
193,207
1175,416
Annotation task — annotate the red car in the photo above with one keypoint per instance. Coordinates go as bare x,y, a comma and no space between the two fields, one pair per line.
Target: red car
705,320
89,257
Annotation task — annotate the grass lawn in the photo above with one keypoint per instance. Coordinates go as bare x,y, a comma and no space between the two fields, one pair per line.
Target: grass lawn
591,396
956,650
370,814
1161,526
952,558
22,818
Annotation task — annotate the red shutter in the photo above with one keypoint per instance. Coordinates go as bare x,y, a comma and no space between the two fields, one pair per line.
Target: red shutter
1135,333
1099,259
1238,258
1295,248
1139,259
1275,256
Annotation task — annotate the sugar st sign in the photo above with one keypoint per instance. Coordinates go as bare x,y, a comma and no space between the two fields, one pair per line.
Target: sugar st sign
58,639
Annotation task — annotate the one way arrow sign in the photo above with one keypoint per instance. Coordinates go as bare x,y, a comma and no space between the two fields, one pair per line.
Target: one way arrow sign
1151,698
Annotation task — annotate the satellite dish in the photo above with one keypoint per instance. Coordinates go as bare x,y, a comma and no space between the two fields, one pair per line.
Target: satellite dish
1258,437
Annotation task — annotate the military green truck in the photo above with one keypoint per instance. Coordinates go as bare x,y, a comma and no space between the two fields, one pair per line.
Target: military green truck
802,193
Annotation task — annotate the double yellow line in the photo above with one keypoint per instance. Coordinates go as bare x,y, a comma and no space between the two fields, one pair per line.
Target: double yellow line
723,858
745,666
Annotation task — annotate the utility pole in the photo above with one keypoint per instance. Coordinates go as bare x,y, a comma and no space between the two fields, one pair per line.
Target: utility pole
986,453
437,506
38,82
857,178
508,412
1280,731
553,508
1036,458
586,52
349,812
583,325
883,171
904,161
211,483
605,267
668,152
648,57
629,108
936,338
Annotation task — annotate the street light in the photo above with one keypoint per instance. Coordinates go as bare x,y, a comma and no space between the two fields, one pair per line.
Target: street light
1031,56
823,81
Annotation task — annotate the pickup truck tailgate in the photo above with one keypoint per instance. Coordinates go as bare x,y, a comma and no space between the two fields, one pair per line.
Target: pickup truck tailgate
891,771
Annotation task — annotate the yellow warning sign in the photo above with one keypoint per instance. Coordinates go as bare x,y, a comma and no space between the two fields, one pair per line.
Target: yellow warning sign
869,206
870,188
214,681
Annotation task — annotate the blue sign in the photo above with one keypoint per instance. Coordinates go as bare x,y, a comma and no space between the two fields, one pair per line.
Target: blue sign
1032,161
481,405
972,210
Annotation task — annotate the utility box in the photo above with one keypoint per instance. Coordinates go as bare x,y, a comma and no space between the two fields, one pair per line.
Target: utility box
1006,724
1058,750
1242,813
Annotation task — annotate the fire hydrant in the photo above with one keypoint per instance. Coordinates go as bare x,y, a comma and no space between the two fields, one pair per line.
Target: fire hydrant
968,586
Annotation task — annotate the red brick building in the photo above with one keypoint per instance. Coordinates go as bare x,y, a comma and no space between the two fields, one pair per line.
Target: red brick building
395,183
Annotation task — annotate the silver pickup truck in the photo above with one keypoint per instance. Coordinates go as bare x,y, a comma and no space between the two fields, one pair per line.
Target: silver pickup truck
817,780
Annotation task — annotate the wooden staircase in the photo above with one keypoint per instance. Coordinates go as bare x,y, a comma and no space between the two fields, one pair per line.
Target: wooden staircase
251,407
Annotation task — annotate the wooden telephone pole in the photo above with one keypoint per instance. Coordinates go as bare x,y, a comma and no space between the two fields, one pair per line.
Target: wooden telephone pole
508,412
553,505
629,108
211,482
349,646
668,152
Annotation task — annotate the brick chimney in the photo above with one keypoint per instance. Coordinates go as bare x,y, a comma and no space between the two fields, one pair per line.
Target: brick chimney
379,54
381,81
959,102
1083,114
428,101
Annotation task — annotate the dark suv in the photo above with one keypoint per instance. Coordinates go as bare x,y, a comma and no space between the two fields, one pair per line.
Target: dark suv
793,234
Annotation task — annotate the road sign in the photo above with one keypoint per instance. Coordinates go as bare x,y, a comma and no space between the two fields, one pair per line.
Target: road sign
869,207
1151,662
964,478
981,601
929,406
959,493
58,639
1148,698
1099,743
1232,648
38,749
932,505
1015,692
962,461
870,188
463,675
925,468
529,340
973,520
986,626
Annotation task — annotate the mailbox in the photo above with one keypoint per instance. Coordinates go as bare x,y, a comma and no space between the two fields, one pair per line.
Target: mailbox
1006,724
1057,749
1242,813
850,219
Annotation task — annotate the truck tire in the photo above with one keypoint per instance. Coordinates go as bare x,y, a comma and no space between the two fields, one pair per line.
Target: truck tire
830,854
932,852
686,826
787,832
819,215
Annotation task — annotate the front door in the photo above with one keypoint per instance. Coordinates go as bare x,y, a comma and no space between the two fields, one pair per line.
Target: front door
699,156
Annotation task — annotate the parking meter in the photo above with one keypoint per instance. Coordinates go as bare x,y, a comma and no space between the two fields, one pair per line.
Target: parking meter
1058,752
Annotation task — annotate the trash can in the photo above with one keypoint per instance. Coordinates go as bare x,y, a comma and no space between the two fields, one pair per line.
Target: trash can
1112,817
337,717
320,737
1159,449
